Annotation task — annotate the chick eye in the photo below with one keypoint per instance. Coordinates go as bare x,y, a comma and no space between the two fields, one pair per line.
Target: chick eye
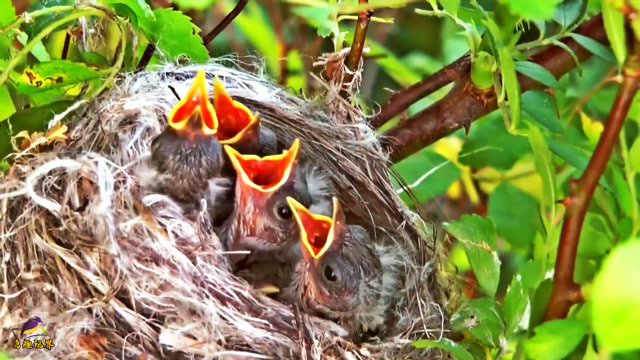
284,212
329,274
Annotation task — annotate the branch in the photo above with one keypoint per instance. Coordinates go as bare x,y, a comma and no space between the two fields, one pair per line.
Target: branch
225,22
357,45
146,57
565,292
466,103
359,36
283,49
402,99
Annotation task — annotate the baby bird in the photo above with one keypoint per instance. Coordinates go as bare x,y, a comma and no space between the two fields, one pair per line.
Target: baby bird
262,220
342,275
187,154
238,127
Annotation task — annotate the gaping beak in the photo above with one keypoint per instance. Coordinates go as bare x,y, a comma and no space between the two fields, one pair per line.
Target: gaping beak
264,174
238,126
194,112
317,232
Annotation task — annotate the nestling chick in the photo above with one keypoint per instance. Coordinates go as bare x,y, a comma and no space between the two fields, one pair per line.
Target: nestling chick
187,154
261,219
342,275
238,127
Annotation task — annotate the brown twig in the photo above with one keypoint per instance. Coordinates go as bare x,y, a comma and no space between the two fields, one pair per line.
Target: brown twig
402,99
146,57
357,45
466,103
225,22
565,292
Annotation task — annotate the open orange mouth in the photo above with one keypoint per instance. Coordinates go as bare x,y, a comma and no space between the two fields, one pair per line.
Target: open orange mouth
234,119
264,174
315,230
195,103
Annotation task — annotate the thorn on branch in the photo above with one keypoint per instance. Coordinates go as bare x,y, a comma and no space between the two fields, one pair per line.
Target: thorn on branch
224,23
565,292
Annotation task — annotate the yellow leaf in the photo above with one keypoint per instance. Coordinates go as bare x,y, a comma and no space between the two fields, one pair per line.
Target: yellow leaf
57,133
455,190
592,128
449,148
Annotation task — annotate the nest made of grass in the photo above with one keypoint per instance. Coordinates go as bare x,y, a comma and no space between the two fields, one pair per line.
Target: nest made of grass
116,271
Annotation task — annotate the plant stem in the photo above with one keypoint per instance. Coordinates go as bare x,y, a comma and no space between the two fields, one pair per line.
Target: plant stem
225,22
466,103
146,57
357,45
65,47
565,292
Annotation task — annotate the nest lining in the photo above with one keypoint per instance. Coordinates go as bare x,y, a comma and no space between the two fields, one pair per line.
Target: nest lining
116,271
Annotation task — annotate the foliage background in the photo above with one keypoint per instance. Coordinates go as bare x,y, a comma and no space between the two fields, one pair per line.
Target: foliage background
497,188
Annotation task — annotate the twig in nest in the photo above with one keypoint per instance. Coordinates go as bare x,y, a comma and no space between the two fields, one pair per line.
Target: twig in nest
146,57
565,292
357,45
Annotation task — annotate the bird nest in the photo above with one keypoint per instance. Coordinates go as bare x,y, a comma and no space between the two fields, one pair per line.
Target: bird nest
117,271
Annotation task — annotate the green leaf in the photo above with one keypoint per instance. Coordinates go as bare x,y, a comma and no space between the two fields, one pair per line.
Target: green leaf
623,195
8,13
6,103
32,28
569,12
55,74
4,166
38,51
614,26
515,214
450,6
595,47
534,10
595,238
634,156
138,11
537,73
393,66
194,4
514,305
175,35
320,18
511,86
434,173
458,351
544,165
481,70
482,319
478,237
542,107
555,339
489,144
616,299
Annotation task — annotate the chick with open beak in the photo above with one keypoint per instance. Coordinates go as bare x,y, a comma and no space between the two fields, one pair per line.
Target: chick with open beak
187,154
342,275
262,220
238,127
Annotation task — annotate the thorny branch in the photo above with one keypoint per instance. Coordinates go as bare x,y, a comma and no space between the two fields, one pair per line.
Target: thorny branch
565,292
466,103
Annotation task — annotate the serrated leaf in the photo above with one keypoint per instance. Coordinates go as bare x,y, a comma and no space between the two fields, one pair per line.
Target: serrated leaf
555,339
515,214
595,47
55,74
534,10
478,237
458,351
537,73
542,158
138,11
616,299
38,51
33,28
614,26
482,319
7,108
175,35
